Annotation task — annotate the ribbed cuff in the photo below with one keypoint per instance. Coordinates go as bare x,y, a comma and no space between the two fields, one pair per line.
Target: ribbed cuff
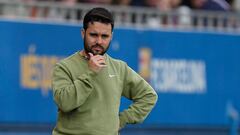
123,120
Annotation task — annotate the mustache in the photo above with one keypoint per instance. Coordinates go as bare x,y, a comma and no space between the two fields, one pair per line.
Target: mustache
97,45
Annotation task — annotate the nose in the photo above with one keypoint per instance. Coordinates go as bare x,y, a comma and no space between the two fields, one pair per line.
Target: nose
99,40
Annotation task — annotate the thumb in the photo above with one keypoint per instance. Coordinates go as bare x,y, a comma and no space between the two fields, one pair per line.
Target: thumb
90,54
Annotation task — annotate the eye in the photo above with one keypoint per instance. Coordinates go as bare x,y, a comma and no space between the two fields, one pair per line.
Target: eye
93,34
105,36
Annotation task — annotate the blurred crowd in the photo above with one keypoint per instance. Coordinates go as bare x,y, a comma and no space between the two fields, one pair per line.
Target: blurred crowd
164,5
181,15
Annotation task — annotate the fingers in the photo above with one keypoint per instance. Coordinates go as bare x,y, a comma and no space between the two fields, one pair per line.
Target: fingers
96,62
96,58
99,62
102,63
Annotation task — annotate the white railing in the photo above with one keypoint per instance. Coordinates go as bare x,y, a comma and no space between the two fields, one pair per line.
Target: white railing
180,19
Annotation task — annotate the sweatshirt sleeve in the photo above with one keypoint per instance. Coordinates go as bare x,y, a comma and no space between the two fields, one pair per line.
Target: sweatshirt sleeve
141,93
68,93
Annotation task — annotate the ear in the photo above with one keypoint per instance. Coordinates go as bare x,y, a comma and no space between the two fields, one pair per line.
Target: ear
83,33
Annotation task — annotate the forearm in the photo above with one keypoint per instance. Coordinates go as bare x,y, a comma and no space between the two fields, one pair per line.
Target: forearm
138,110
70,94
141,93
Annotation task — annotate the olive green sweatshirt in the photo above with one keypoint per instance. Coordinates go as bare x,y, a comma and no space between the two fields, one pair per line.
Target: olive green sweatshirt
88,102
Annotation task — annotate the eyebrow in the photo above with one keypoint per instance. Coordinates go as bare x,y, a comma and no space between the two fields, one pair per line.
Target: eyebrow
104,34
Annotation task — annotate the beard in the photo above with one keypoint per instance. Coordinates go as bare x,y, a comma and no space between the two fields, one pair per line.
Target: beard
89,49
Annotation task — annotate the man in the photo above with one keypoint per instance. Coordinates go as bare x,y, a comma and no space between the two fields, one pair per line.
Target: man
88,85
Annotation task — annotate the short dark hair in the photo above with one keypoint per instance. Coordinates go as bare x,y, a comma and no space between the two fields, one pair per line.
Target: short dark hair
98,14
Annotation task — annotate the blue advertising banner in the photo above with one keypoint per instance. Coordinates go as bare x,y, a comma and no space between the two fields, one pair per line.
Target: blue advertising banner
196,75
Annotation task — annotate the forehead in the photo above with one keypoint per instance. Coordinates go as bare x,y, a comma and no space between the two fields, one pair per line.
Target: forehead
99,27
